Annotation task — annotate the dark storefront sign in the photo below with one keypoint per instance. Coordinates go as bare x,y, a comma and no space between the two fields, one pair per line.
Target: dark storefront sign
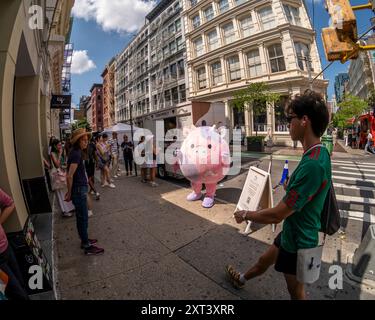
61,102
29,254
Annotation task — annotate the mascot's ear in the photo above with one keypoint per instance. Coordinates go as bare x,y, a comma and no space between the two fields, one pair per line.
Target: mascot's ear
186,130
224,132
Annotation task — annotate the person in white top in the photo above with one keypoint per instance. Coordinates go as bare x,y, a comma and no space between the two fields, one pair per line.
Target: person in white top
369,141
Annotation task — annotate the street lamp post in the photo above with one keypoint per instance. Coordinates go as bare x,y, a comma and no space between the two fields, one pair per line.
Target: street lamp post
131,130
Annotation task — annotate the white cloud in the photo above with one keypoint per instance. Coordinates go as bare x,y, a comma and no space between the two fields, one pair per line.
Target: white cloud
81,62
114,15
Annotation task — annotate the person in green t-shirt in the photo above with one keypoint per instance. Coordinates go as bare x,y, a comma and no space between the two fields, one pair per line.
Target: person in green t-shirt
301,208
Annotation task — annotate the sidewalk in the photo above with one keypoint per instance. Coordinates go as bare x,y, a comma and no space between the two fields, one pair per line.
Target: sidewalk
159,246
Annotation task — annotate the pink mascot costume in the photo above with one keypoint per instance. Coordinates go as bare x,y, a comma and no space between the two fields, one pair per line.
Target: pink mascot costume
204,158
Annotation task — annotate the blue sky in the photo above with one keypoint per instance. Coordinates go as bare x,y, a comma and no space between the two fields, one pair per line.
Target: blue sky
99,37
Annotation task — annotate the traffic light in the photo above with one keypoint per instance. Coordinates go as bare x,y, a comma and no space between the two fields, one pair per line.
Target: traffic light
340,39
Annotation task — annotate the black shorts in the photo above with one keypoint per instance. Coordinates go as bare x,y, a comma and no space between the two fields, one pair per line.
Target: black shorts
90,169
286,262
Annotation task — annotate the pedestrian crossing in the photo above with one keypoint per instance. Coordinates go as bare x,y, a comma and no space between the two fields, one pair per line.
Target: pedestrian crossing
354,185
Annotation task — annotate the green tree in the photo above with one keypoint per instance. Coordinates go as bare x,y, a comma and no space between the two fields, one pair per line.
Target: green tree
81,124
255,97
371,99
350,107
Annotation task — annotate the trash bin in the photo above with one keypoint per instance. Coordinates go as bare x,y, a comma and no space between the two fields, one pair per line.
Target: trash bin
327,140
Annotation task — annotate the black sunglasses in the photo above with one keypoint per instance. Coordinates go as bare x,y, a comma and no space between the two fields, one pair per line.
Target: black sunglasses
290,118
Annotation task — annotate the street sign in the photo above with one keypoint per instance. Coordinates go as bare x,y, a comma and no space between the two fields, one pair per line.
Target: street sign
61,102
256,193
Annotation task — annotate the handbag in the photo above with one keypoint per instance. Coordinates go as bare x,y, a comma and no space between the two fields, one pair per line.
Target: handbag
58,179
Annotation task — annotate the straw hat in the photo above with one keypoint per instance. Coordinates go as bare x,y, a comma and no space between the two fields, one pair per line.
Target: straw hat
77,134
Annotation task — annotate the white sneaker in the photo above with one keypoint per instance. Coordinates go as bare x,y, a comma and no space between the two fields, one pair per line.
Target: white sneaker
90,214
154,184
92,192
105,185
112,186
115,176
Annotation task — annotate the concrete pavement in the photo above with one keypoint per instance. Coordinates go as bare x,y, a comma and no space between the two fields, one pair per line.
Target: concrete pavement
158,246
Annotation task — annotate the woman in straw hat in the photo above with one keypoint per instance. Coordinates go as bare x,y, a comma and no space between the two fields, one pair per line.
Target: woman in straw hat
78,188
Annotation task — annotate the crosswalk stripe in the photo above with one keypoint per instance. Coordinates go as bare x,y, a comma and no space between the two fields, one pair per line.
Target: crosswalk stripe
351,179
354,173
357,169
353,187
353,165
357,215
355,162
361,200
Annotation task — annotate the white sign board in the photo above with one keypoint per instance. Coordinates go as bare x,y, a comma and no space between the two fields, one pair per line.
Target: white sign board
256,193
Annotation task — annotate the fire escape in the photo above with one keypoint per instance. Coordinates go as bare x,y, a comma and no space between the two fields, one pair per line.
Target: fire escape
65,114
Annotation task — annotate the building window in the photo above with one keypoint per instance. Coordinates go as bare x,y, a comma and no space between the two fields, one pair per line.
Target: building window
281,123
181,68
234,68
223,5
303,56
267,18
229,33
276,56
167,96
193,2
217,73
292,14
238,2
173,70
255,66
180,44
175,95
196,21
171,29
260,120
213,40
202,79
182,93
165,51
155,101
172,47
247,26
198,43
178,25
166,73
209,13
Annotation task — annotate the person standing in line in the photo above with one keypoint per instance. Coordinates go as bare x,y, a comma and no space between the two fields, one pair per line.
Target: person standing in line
369,142
142,147
114,150
15,289
102,152
90,165
58,169
127,149
303,203
152,163
78,189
